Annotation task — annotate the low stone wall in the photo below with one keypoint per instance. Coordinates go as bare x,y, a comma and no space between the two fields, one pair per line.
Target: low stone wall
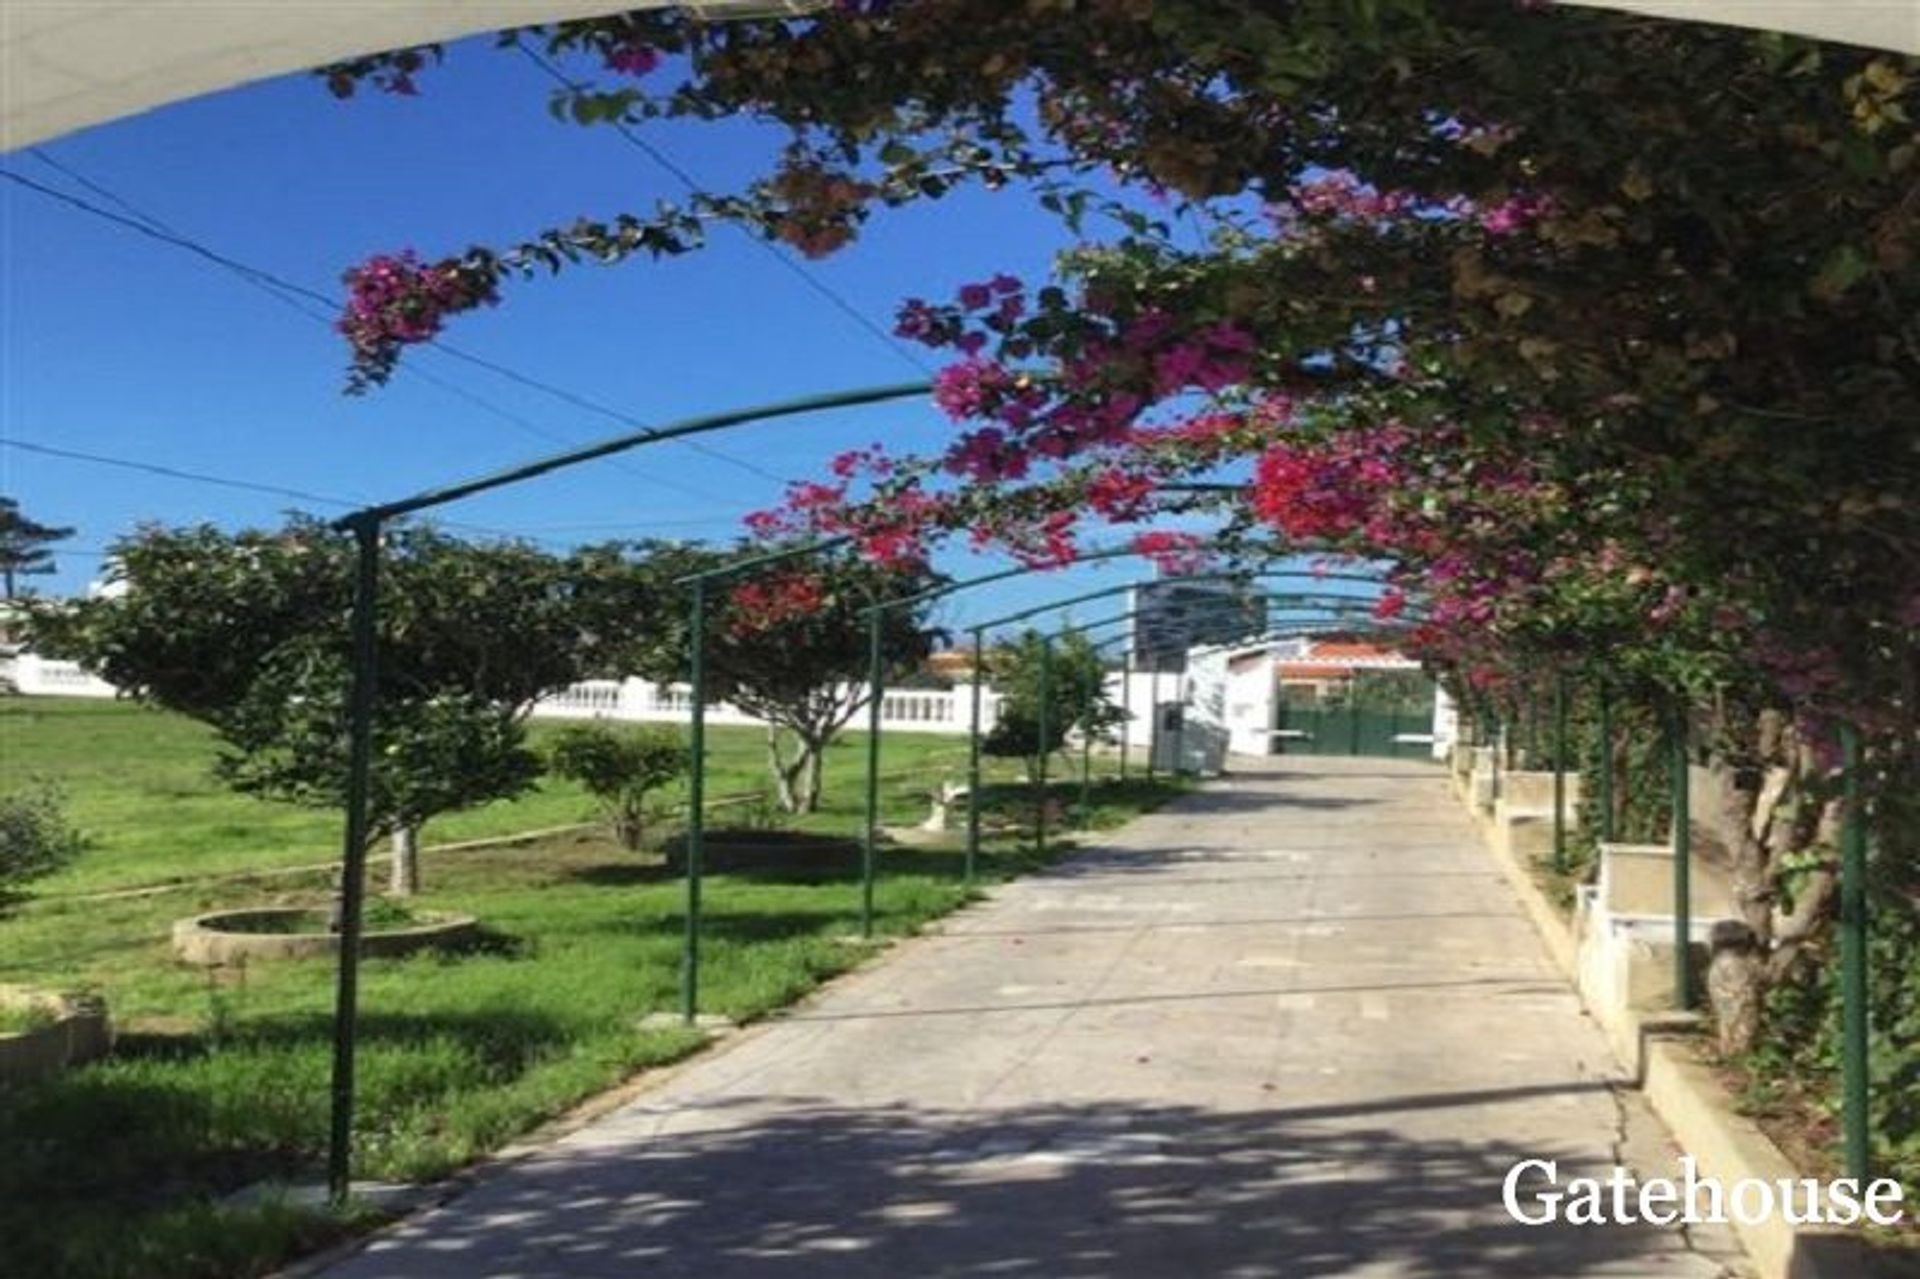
218,938
77,1031
1651,1043
1532,791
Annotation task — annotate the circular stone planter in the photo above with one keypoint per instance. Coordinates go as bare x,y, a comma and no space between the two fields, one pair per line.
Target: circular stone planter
70,1030
274,932
768,850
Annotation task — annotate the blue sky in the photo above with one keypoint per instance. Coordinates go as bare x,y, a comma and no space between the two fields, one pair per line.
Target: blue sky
112,343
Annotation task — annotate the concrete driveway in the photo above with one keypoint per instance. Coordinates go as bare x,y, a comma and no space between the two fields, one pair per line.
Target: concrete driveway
1294,1025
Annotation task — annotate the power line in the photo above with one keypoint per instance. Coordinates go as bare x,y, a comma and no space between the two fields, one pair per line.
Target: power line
288,292
279,287
225,481
177,473
686,179
296,297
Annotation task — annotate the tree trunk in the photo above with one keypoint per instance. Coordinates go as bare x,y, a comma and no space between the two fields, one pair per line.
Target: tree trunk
405,879
1756,815
816,770
796,779
786,772
630,828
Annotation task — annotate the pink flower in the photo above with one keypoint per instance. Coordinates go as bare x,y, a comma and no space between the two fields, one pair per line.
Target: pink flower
1119,495
970,388
632,58
918,322
1172,552
395,300
1515,213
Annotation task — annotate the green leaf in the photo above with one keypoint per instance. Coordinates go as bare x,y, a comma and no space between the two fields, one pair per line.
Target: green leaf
1845,267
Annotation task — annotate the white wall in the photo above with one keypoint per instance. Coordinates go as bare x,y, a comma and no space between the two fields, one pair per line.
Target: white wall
1446,722
44,677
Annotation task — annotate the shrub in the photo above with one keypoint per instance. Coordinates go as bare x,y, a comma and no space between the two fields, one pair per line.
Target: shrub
619,769
35,836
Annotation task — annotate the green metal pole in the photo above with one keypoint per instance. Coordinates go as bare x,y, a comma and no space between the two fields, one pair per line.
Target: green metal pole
870,846
1682,867
696,800
1606,762
1534,735
1153,719
1086,759
973,756
1126,708
1046,693
353,852
1853,964
1560,772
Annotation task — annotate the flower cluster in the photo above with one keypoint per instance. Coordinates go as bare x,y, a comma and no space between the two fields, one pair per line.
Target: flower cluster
764,603
1326,492
1120,495
631,57
1514,214
395,300
1173,552
1339,194
818,209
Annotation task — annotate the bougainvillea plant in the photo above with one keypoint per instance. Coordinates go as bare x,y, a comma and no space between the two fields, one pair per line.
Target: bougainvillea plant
1604,331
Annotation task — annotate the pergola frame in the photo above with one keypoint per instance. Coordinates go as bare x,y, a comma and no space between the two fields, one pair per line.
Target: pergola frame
366,524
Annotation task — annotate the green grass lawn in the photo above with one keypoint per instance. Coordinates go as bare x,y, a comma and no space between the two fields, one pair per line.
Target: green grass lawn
220,1080
139,782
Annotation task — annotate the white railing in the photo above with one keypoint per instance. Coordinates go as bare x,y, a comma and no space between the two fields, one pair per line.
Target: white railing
917,706
598,697
907,709
671,699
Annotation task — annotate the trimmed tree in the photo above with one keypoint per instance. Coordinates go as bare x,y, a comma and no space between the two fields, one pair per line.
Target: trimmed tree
620,769
788,646
247,633
1075,698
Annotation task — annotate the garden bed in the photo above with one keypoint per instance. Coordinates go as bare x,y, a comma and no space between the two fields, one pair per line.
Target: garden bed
304,932
797,851
43,1032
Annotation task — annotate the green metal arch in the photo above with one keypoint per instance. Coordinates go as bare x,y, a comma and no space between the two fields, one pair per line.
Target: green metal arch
1094,556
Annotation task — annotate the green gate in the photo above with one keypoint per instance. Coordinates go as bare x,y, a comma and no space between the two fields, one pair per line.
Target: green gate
1384,713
